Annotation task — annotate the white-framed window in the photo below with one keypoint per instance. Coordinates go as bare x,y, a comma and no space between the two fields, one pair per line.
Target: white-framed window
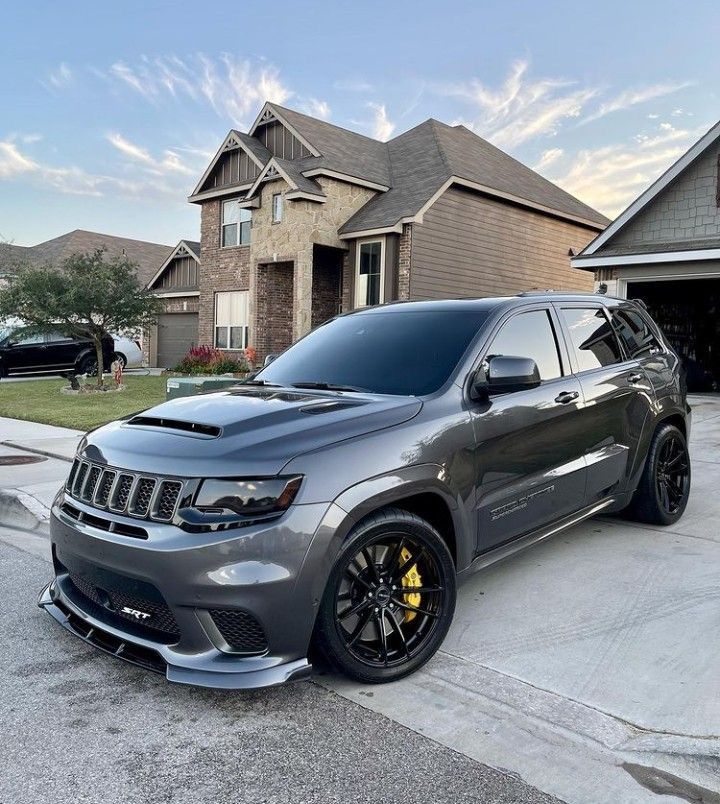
277,207
236,222
370,272
232,322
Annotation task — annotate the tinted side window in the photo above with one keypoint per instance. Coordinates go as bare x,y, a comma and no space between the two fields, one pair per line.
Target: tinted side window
635,333
529,335
57,337
592,337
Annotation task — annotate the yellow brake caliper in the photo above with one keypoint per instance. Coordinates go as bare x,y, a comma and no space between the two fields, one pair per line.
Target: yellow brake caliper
410,579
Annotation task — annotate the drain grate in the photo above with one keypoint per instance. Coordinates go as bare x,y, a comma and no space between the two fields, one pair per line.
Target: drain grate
19,460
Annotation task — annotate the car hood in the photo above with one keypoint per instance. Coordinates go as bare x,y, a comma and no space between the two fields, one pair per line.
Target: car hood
241,432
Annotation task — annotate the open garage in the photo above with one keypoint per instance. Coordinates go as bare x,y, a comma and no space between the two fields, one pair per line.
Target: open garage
687,310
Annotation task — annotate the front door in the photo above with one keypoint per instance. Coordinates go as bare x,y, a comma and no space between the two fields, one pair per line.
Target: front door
530,463
618,396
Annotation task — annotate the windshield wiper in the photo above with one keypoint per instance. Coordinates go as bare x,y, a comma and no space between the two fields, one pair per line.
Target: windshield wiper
329,386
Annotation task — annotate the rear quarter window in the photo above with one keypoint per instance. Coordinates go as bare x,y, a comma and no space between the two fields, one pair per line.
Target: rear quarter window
592,337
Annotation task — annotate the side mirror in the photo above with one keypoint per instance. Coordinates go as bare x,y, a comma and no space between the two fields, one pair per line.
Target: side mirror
503,375
509,373
269,359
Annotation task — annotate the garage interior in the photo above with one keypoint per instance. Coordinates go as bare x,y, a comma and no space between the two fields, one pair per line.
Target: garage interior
687,311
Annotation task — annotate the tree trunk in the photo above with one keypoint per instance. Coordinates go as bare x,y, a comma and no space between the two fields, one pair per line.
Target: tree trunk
99,356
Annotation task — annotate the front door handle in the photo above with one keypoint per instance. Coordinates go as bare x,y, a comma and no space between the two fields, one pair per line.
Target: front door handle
567,396
633,378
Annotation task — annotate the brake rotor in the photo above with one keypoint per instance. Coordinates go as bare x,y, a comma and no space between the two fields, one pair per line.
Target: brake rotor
409,580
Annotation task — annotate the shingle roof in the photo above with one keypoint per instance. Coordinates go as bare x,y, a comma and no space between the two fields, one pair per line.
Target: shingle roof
194,246
342,150
148,256
254,145
424,158
294,172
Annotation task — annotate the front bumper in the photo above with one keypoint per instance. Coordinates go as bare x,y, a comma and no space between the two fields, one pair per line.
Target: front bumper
271,572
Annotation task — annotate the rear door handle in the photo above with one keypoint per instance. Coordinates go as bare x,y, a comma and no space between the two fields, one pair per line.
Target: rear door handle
633,378
567,396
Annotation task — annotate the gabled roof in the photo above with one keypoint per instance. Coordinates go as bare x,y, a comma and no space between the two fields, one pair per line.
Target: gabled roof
433,155
146,255
183,248
409,171
657,187
291,172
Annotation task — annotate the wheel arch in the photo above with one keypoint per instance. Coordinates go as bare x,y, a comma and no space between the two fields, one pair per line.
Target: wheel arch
676,419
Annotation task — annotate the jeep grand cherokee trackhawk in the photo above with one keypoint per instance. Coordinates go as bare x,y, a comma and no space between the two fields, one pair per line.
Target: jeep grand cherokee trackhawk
336,498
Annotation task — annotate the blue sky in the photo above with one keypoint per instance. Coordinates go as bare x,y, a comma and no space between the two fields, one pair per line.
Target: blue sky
111,111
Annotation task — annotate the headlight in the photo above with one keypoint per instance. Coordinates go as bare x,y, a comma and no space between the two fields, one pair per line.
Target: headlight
247,497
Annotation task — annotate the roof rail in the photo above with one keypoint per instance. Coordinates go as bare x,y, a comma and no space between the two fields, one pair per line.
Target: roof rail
551,291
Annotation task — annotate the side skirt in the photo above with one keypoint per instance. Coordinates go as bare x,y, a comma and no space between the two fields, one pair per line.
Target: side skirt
507,550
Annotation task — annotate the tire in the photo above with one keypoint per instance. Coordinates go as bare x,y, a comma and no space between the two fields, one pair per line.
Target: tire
121,357
664,487
374,562
88,365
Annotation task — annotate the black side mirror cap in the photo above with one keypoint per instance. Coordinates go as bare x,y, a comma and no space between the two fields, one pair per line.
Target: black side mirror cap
479,386
508,373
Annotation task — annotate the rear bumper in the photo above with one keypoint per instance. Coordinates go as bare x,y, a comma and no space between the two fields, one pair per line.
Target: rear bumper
269,572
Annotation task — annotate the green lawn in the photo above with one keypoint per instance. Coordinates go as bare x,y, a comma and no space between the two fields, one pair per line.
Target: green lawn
41,401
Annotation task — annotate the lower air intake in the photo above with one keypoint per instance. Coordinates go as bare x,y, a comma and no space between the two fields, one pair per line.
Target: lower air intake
242,632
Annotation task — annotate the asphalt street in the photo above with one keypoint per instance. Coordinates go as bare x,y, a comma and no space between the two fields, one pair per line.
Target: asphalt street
84,727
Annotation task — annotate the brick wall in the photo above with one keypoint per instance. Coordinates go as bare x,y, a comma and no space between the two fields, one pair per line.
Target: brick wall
220,269
326,292
274,300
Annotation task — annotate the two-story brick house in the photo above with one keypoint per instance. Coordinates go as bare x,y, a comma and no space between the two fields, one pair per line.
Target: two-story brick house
301,219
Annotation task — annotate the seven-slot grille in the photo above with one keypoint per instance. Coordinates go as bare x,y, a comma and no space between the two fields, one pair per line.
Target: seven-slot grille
121,492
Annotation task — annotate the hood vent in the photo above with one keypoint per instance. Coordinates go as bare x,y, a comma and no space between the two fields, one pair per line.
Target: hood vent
209,430
328,407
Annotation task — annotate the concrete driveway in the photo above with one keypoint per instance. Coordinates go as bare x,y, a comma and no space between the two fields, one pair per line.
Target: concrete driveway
590,664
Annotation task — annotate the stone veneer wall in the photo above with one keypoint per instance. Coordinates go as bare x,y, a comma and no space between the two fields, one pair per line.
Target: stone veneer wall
404,257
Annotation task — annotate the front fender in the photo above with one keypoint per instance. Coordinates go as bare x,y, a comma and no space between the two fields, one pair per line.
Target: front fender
359,500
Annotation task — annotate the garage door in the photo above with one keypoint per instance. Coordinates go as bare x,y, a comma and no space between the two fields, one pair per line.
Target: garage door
177,332
688,310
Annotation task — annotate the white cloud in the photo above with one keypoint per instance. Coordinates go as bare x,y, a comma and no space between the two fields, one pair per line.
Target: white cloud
521,109
633,97
170,162
12,162
234,88
610,177
382,126
548,158
318,108
61,77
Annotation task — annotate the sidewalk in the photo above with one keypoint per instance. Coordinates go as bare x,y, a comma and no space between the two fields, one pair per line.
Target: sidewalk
27,489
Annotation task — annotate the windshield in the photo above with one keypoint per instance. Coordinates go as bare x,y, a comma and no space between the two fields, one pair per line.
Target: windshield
405,352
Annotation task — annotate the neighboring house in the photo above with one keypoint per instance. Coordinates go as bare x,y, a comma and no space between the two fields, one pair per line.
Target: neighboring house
665,250
301,219
146,255
176,282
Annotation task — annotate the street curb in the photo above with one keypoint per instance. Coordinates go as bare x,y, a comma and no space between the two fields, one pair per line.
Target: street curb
21,510
44,452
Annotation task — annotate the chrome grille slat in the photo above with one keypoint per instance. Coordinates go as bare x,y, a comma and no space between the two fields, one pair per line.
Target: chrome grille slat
121,492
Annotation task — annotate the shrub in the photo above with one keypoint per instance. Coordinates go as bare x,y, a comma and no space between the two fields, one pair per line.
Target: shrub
207,360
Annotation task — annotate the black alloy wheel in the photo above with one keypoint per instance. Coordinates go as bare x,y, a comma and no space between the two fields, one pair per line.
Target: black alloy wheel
673,474
390,599
664,488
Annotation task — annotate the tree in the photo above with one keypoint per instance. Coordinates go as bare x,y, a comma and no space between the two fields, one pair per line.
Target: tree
86,295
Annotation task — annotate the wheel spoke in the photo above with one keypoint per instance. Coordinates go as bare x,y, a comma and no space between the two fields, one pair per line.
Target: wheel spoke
370,561
420,590
398,630
675,490
390,563
409,564
379,621
356,577
356,609
359,628
408,607
664,496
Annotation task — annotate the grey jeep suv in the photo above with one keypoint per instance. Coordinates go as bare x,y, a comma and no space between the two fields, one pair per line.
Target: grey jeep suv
335,499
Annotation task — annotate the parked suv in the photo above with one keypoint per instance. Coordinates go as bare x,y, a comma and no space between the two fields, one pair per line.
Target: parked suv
336,498
48,353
